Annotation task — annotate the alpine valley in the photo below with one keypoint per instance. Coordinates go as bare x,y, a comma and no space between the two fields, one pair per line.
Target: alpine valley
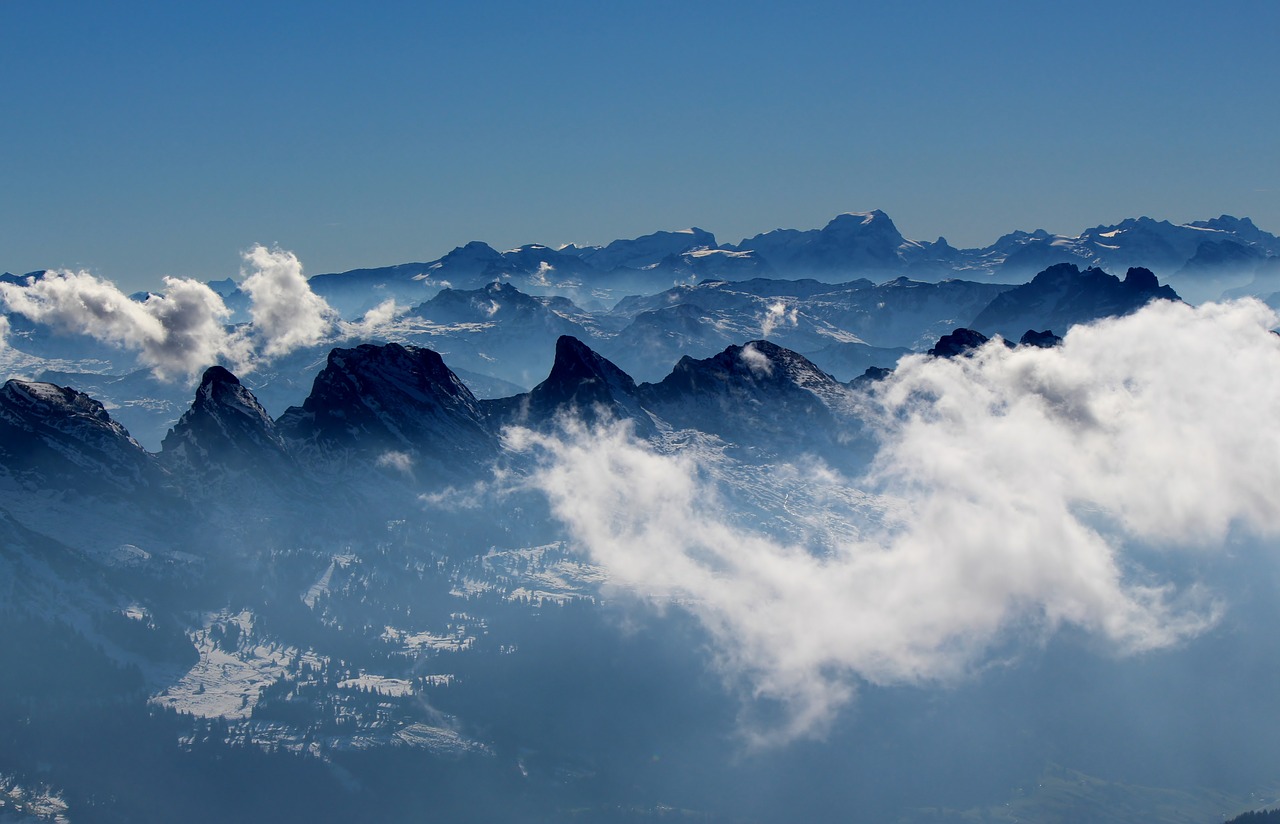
649,531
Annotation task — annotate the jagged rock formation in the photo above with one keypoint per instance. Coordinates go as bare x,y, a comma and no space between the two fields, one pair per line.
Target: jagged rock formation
583,384
758,394
1044,340
372,399
960,342
226,431
873,375
227,443
1063,295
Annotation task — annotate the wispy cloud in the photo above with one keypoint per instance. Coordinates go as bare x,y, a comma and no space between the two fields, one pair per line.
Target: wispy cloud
778,315
399,461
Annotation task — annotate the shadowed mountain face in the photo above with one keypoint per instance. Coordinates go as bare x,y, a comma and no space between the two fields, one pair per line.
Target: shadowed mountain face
957,343
1045,339
57,438
376,398
500,303
226,429
582,383
371,401
501,339
758,394
1063,295
648,250
903,312
864,242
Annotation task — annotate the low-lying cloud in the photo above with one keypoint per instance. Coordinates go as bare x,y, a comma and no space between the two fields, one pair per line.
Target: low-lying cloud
175,333
185,328
1025,486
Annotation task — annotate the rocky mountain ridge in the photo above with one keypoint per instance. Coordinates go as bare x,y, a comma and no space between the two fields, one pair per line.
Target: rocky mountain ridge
499,340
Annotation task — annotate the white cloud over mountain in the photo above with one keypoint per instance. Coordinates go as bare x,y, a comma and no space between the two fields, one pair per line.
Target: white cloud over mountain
184,329
175,333
1034,489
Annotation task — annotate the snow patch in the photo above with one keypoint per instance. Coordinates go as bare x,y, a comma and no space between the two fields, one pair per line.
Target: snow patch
20,803
456,641
390,687
227,683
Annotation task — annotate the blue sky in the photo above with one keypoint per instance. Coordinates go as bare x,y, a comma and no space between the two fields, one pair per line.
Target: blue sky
143,139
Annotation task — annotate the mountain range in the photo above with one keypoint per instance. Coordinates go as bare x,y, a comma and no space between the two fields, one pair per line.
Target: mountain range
499,340
372,401
1200,259
330,586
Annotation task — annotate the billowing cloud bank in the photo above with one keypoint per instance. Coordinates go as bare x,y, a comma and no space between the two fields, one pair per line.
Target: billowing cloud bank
174,334
184,329
1028,481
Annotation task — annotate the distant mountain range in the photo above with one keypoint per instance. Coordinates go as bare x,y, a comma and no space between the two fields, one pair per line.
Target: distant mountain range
1200,259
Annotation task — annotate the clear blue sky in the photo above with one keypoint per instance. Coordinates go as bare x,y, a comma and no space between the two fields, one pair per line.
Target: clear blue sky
141,139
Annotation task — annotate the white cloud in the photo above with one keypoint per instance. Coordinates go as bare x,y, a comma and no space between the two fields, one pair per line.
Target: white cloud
778,315
479,495
399,461
758,362
286,314
1028,485
542,276
184,329
175,334
194,318
384,312
374,320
